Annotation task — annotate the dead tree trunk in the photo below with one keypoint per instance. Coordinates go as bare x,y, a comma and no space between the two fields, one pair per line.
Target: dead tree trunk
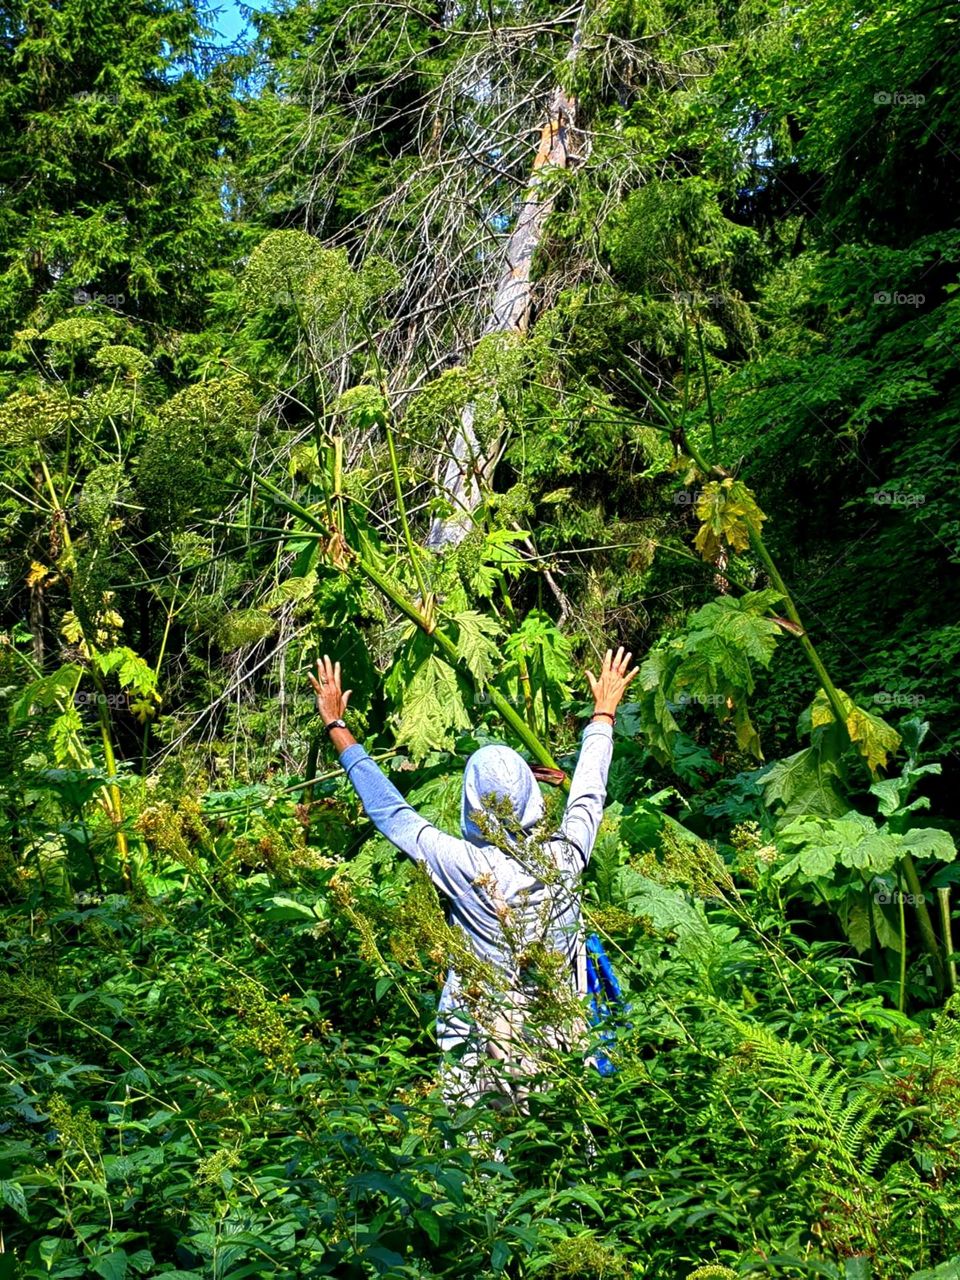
468,466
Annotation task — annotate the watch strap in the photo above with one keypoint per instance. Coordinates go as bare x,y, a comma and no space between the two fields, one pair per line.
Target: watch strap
335,724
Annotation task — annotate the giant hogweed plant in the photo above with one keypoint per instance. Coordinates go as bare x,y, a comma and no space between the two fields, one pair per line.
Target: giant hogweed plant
713,663
449,653
69,445
450,639
859,866
452,654
91,444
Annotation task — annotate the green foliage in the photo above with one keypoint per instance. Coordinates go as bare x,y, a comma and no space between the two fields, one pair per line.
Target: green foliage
819,845
871,735
289,269
488,383
186,464
485,560
240,627
730,515
712,664
30,416
216,997
672,240
121,165
181,1079
804,783
429,696
539,653
475,640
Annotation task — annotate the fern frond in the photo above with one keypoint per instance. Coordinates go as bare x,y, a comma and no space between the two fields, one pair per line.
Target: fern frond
828,1114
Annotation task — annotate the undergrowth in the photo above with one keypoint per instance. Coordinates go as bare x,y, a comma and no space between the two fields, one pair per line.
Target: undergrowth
229,1071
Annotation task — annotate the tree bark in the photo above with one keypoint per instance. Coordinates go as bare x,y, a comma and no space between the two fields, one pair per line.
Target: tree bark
469,466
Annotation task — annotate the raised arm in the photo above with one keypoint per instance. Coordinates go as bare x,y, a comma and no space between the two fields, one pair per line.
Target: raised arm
447,859
588,788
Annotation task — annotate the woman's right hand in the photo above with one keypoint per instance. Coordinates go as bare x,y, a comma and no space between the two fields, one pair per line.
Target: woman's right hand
615,675
331,700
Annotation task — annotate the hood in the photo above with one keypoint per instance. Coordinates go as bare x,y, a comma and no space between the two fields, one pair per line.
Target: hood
499,772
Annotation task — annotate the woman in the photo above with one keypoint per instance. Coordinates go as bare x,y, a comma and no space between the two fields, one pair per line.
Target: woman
509,883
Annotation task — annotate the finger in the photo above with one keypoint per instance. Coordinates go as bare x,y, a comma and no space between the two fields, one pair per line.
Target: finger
327,667
625,664
591,681
633,674
336,675
607,661
345,698
619,660
313,680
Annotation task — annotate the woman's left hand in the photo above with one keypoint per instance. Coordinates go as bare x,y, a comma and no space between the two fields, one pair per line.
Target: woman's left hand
331,700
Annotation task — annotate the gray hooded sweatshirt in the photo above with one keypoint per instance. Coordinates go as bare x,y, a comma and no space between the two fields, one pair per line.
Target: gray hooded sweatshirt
455,864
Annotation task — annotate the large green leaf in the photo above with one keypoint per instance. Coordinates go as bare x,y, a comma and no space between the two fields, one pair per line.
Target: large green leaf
54,690
729,514
804,783
709,667
282,908
475,641
669,911
930,842
949,1270
741,622
11,1193
872,736
132,671
432,709
110,1266
820,844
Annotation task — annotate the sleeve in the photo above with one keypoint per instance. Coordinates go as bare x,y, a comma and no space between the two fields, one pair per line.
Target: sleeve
588,791
448,860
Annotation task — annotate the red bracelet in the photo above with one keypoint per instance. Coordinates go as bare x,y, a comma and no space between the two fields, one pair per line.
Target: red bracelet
613,718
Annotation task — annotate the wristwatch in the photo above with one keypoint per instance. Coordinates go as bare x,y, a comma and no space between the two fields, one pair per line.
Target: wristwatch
335,724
